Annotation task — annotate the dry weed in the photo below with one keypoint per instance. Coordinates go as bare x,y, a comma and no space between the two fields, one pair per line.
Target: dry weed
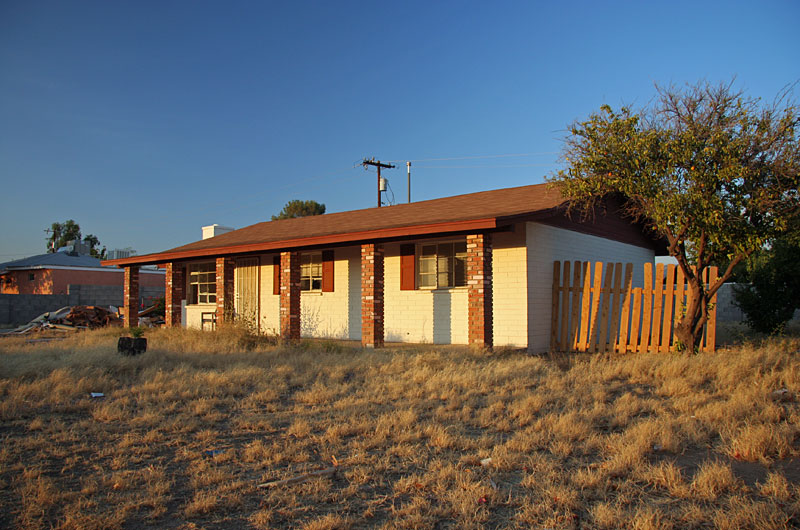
424,437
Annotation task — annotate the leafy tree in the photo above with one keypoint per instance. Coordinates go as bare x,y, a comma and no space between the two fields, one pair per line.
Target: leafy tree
772,292
62,233
298,208
94,243
712,171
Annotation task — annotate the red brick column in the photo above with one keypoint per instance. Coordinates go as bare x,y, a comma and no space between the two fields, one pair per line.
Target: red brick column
479,285
290,295
175,287
224,290
130,296
371,296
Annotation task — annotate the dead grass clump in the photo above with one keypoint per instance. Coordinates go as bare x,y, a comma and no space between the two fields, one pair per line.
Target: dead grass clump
763,442
713,479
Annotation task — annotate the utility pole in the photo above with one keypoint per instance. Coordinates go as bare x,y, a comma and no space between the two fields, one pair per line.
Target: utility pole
408,167
378,164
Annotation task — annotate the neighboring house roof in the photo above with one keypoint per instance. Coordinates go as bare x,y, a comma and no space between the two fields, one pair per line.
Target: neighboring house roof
55,259
484,210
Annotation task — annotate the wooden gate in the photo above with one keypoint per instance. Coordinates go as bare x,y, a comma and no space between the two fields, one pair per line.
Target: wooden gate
247,291
605,313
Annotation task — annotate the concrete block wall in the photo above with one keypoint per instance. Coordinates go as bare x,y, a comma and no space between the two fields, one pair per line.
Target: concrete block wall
17,309
728,311
105,295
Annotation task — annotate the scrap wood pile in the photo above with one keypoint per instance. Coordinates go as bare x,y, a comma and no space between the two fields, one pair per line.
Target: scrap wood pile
70,319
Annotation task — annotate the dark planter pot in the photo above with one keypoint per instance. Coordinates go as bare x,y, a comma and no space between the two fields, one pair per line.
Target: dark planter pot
131,346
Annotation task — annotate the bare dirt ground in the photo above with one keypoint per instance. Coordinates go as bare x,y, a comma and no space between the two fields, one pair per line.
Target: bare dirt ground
423,437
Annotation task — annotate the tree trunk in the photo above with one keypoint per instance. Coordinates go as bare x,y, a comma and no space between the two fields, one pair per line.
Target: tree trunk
689,329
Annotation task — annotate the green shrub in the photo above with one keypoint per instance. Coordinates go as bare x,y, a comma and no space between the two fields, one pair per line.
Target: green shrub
772,293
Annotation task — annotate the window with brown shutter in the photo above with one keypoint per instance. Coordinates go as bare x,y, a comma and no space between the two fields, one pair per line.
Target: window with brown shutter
276,275
327,271
407,267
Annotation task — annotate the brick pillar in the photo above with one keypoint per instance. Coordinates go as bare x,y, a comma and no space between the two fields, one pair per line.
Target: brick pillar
130,296
371,296
290,295
479,286
174,293
224,290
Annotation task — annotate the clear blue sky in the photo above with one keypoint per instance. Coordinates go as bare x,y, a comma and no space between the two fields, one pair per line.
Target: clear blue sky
145,120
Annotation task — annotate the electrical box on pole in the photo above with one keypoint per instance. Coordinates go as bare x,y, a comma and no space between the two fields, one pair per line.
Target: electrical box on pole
381,182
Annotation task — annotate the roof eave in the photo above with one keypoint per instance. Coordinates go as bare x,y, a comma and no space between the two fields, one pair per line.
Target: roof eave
487,223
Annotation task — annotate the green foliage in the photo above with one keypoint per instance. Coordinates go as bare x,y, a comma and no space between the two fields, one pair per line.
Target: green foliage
713,172
137,332
297,208
62,233
160,304
772,293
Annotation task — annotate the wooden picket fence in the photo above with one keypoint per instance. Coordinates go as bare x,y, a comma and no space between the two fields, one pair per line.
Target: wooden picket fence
603,312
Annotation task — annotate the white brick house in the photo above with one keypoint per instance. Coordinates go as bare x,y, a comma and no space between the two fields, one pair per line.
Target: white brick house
471,269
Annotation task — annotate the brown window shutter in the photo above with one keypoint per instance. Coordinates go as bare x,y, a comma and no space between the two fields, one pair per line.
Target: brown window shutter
276,275
407,268
327,271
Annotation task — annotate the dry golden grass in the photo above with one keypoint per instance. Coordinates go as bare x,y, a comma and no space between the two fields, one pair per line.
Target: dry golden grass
425,437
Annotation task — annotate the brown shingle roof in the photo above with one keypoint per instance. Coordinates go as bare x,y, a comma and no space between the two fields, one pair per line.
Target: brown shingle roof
480,210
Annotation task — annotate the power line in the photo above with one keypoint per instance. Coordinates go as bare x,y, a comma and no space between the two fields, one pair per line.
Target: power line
474,157
487,166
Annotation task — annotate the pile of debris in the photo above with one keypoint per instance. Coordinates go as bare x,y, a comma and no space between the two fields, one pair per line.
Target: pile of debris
72,318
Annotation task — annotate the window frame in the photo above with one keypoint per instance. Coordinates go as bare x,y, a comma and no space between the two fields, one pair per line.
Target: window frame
314,265
455,266
201,288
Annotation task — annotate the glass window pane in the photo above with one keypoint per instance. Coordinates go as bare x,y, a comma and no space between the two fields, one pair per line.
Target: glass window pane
305,283
459,271
316,284
427,280
443,263
428,250
460,248
427,266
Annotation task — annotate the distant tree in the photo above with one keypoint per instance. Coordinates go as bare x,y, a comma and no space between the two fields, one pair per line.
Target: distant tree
713,172
298,208
94,243
62,233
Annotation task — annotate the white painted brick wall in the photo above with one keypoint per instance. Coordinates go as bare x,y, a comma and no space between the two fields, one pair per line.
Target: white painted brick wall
421,316
270,307
509,289
547,244
194,314
327,315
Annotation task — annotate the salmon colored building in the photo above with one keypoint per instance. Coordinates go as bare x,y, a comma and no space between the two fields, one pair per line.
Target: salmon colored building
53,273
